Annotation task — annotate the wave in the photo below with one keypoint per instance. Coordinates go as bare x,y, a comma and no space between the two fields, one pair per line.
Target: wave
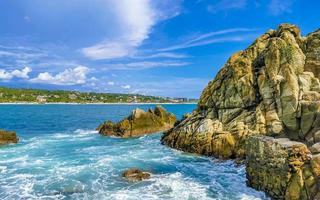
85,132
167,186
78,134
79,164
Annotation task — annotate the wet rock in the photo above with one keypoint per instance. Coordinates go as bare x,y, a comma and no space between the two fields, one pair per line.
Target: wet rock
135,174
139,123
8,137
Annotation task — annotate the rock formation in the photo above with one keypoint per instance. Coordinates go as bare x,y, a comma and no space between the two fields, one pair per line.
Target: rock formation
139,123
283,168
271,89
8,137
136,174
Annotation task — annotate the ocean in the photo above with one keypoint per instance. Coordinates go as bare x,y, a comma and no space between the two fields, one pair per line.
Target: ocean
61,156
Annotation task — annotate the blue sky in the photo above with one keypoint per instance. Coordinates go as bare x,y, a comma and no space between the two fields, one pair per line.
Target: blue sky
155,47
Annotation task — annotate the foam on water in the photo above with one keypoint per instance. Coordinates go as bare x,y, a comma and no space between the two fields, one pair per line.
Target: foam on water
92,170
78,163
166,186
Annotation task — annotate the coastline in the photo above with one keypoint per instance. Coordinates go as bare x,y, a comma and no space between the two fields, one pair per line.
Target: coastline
66,103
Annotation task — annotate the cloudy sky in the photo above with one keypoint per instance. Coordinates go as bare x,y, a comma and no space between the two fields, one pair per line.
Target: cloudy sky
157,47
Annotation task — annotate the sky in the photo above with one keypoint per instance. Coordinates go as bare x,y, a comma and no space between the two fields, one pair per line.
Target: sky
169,48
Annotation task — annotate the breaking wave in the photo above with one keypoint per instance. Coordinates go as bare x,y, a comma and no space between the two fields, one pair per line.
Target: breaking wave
51,162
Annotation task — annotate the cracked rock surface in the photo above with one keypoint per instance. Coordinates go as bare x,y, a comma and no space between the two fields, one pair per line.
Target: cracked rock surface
269,90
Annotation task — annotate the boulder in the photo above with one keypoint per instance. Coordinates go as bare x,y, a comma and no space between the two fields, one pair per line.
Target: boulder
135,174
139,123
8,137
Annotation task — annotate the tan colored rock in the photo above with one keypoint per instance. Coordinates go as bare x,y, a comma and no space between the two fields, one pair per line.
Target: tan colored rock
135,174
315,149
271,88
315,163
313,53
265,88
139,123
316,136
280,167
8,137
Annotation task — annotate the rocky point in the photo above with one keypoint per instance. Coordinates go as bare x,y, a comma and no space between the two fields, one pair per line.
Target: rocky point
270,90
139,123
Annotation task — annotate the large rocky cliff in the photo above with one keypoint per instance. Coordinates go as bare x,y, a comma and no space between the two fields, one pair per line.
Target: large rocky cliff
272,89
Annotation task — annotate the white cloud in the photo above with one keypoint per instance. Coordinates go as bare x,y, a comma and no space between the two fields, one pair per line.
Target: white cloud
75,76
22,56
154,85
226,35
110,83
7,75
22,73
93,79
145,65
136,19
162,55
126,87
20,52
172,87
277,7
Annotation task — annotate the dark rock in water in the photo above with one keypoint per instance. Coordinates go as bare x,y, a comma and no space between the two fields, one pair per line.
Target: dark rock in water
8,137
135,174
139,123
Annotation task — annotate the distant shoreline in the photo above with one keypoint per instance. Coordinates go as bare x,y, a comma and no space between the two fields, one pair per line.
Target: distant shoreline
65,103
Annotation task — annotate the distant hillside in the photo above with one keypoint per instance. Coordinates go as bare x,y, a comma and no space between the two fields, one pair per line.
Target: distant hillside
11,95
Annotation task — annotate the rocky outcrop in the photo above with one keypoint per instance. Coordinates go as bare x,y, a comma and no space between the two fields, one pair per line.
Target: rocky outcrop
263,105
139,123
312,50
135,174
283,168
8,137
268,89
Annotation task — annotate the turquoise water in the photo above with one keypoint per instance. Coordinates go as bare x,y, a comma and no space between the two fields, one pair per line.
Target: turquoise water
61,156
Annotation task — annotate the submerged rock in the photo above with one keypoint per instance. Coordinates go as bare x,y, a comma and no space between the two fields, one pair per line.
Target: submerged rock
8,137
272,89
135,174
139,123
